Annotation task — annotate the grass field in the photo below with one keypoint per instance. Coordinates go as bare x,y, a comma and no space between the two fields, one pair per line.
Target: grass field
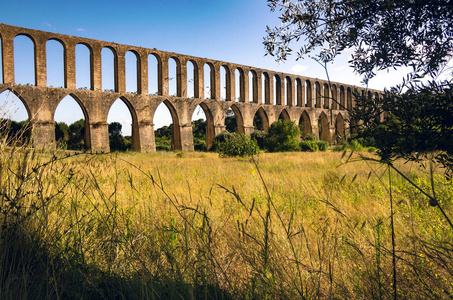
196,226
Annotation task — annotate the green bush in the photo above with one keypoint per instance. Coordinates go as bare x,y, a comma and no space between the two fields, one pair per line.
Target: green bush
311,146
283,136
260,137
220,139
323,145
311,137
237,144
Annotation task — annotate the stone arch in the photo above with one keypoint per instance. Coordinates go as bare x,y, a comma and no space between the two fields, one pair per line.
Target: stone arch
109,68
210,131
342,98
325,95
305,124
239,119
340,132
80,84
52,65
210,91
135,129
239,85
299,93
22,100
284,115
266,88
87,134
349,98
323,127
12,109
176,133
28,64
318,102
155,86
334,96
225,83
132,81
261,120
193,83
288,91
253,86
308,94
177,76
277,90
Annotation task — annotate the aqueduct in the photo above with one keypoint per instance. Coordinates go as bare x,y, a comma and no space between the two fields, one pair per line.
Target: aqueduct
318,107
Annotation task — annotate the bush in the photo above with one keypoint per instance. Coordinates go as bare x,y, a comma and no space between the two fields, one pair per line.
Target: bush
237,144
260,138
323,145
283,136
311,137
220,139
311,146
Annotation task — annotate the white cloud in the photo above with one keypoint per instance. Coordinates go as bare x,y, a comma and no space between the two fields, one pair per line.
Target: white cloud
80,29
298,69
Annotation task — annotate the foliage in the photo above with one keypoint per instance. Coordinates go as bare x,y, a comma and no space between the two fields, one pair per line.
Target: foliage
313,146
76,139
236,144
311,137
230,121
117,141
419,126
260,138
17,133
383,33
282,136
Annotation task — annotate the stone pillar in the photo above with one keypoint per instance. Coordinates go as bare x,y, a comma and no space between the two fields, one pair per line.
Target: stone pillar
278,90
290,92
143,71
258,89
43,134
186,137
8,58
230,84
300,93
163,75
215,82
147,139
40,63
248,130
121,71
198,78
69,65
244,88
99,134
96,68
269,89
182,80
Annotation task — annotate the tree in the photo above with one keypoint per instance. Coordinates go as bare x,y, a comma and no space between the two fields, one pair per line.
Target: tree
383,33
117,142
282,136
76,139
62,134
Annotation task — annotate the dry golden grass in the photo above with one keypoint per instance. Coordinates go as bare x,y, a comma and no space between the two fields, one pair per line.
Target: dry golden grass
172,225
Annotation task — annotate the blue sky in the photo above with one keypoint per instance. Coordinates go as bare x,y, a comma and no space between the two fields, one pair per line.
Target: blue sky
230,31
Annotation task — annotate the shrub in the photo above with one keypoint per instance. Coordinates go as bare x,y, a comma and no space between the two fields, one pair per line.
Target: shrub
323,145
220,139
260,138
311,137
283,136
237,144
311,146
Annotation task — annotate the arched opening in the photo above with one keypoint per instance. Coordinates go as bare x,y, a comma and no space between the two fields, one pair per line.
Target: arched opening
123,126
72,127
318,95
334,100
233,120
239,85
284,116
154,68
108,63
349,98
325,95
83,67
166,125
266,88
300,93
14,119
192,79
277,90
305,125
340,133
174,77
132,67
288,91
260,120
308,94
342,98
225,83
209,81
202,128
55,63
323,127
24,60
253,87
